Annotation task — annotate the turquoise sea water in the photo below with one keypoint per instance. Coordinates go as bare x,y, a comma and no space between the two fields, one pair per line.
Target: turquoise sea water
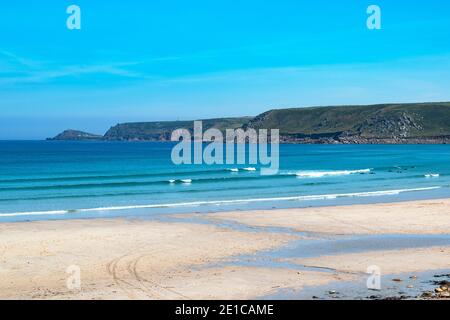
66,180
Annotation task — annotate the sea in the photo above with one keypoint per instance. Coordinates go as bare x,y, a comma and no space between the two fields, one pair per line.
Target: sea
43,180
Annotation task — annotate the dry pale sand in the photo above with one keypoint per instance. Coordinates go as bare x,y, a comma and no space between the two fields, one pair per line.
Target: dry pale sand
418,217
389,262
242,282
121,259
140,259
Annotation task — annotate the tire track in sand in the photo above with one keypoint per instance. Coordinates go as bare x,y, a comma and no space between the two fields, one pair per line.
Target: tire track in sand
133,283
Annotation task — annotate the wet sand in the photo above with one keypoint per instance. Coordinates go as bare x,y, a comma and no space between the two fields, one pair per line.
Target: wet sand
417,217
117,258
233,255
388,262
121,259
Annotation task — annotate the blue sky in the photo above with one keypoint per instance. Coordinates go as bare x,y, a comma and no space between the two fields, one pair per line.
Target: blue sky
168,60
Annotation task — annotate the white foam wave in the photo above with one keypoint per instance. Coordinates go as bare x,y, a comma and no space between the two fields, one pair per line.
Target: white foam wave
249,169
432,175
222,202
185,181
320,174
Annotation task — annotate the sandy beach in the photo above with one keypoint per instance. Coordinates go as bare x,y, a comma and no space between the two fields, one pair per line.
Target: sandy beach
232,255
416,217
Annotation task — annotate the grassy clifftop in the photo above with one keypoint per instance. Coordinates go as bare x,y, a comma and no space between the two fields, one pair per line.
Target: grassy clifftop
384,123
375,121
75,135
161,131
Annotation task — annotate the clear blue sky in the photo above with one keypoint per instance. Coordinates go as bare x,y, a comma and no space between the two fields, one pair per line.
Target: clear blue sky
171,59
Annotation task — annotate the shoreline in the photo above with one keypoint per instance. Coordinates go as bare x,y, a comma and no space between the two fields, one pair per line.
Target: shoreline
227,255
348,219
227,206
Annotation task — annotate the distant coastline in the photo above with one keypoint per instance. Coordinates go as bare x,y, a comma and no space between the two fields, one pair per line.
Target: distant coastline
409,123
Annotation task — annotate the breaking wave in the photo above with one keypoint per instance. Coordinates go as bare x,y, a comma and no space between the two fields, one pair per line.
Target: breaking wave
331,173
222,202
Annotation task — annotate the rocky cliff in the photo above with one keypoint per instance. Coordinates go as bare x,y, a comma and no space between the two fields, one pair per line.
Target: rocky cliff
374,124
75,135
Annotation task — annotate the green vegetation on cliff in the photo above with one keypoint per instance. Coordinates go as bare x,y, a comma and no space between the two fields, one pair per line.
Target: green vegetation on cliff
161,131
75,135
384,123
375,121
